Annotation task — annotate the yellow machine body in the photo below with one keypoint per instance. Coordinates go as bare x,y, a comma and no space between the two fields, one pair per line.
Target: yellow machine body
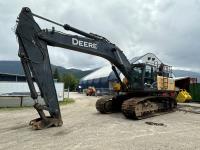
116,86
165,83
183,96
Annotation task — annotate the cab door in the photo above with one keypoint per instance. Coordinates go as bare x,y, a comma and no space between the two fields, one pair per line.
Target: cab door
149,76
138,76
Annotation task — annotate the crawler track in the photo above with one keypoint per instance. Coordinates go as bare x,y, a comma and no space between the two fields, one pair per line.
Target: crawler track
104,105
137,107
145,107
110,104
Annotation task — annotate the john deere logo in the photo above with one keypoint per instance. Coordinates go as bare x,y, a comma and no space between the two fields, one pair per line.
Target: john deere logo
83,43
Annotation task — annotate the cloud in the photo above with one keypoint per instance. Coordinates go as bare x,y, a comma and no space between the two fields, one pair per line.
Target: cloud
169,28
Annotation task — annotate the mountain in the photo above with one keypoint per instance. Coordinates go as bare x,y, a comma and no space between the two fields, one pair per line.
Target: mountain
12,67
76,72
15,67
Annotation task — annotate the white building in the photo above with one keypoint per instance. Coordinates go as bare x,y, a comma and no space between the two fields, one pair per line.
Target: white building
14,91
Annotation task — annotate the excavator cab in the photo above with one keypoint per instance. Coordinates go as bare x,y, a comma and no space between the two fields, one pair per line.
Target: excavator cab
151,77
138,76
144,76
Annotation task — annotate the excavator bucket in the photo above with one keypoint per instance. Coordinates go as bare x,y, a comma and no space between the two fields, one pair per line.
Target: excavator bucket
34,57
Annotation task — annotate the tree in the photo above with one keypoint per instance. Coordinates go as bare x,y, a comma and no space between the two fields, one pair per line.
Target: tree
56,75
70,81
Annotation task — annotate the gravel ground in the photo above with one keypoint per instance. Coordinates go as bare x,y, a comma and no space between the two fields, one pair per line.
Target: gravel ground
84,128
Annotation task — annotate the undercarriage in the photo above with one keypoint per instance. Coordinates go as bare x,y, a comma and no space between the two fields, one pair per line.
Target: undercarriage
137,107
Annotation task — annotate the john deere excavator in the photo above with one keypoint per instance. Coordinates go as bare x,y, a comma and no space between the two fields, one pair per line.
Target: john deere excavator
146,91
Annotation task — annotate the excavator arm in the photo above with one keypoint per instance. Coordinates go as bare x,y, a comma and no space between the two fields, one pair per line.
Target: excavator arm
34,57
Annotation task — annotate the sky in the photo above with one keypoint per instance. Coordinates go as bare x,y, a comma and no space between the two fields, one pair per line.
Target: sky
168,28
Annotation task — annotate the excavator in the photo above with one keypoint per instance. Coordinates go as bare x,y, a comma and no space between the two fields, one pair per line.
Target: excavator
147,89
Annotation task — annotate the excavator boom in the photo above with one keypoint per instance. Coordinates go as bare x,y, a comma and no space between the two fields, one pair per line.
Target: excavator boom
34,56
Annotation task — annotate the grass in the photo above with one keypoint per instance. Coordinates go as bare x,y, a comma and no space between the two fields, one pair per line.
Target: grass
67,101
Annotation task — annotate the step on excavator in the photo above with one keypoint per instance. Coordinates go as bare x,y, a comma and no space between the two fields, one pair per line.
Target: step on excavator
147,89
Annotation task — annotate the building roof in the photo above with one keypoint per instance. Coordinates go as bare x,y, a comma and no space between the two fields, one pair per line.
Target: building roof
10,74
180,78
99,73
12,77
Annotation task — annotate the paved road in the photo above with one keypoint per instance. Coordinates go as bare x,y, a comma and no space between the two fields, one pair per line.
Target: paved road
85,129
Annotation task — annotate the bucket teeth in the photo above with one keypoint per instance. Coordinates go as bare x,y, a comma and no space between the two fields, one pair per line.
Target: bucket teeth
39,123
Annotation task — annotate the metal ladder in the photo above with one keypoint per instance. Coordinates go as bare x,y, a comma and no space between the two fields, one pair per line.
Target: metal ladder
168,70
165,83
